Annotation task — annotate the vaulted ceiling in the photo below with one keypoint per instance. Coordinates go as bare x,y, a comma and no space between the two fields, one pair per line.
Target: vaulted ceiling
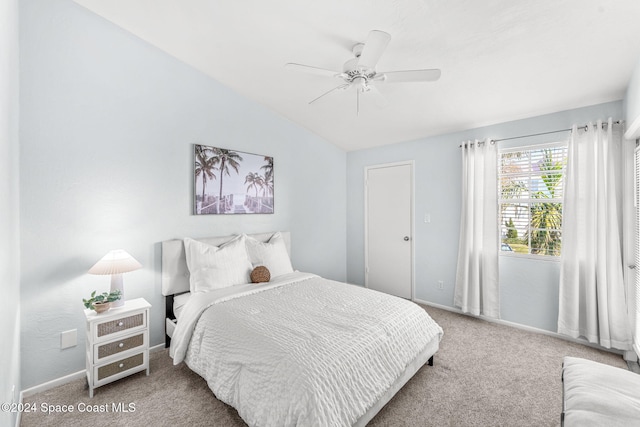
501,60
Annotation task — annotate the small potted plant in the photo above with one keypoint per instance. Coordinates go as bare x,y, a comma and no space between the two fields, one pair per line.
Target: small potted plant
102,302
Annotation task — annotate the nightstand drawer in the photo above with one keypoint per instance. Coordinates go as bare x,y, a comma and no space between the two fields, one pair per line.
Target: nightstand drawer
114,348
121,324
120,367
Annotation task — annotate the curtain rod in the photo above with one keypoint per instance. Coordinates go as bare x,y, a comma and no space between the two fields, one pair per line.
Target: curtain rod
493,141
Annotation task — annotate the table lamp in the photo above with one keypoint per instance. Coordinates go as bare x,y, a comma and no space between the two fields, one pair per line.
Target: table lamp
115,263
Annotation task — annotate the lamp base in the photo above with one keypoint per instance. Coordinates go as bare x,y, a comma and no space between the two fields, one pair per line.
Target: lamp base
116,284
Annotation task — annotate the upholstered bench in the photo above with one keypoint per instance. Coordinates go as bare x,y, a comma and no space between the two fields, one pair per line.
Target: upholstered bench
595,394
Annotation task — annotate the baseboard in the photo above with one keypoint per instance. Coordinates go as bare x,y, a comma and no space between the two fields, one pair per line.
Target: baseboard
60,381
522,327
47,386
68,378
53,383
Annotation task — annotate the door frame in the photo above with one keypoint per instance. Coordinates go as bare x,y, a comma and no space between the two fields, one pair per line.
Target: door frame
411,164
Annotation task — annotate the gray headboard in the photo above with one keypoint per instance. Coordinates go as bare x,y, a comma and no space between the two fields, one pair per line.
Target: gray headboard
175,274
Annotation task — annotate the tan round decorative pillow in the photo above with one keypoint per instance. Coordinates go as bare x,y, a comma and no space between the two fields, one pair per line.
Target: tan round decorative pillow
260,274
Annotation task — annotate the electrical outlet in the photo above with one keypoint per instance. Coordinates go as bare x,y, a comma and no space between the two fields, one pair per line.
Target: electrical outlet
440,284
68,338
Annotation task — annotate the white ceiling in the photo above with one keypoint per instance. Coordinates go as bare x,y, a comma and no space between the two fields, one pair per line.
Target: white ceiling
501,60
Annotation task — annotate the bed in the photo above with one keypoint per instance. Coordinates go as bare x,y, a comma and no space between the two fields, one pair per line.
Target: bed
296,350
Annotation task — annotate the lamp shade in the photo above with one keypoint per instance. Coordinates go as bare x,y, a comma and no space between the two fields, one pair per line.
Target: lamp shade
115,262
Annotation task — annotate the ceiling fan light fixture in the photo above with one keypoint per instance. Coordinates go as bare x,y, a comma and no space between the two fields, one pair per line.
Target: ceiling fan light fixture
361,83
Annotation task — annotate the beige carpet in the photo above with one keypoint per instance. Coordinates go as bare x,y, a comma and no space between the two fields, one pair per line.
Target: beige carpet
484,375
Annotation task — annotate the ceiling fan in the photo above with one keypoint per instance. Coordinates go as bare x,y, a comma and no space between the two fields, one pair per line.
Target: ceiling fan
360,72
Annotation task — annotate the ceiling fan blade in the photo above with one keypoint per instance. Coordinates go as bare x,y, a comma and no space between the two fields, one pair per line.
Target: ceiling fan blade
409,76
343,86
374,47
312,70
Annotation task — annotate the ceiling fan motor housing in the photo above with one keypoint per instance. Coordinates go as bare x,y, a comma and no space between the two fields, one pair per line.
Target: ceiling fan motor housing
354,74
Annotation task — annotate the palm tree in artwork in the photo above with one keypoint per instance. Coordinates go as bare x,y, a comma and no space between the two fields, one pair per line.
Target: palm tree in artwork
254,180
268,175
268,184
261,183
268,168
226,158
205,166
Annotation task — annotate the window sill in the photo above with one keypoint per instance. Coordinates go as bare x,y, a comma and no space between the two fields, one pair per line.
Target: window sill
545,258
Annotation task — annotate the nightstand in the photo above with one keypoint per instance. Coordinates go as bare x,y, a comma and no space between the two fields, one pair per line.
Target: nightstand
117,342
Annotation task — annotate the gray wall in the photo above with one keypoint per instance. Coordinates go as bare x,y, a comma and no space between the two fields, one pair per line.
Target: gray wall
9,220
107,128
528,288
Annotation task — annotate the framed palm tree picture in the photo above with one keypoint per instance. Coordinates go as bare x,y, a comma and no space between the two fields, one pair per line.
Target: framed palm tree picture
231,182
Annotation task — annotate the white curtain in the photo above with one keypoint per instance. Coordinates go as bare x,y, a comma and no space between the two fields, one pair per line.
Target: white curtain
592,292
477,289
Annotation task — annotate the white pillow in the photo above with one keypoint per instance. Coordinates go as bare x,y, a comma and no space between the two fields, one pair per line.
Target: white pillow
214,267
272,254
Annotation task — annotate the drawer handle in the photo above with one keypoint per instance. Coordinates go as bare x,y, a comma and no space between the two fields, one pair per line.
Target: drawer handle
121,365
121,345
120,323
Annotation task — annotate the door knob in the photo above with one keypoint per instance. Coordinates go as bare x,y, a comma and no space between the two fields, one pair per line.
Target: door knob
406,238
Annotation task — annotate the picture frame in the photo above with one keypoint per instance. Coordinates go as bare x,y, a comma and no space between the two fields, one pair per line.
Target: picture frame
230,182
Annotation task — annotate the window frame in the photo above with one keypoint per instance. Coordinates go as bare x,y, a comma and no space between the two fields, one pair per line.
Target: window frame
635,318
529,200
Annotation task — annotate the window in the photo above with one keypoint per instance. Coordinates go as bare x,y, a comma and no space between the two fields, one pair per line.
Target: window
530,198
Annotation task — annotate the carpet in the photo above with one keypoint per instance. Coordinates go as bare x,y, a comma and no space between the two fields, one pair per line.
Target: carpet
485,374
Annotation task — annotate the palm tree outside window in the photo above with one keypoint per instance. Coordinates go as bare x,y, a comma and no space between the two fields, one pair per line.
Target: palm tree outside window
530,198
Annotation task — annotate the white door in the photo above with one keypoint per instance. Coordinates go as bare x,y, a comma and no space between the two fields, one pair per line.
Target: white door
388,233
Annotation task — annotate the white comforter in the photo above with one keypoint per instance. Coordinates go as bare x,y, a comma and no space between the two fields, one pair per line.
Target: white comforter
300,350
